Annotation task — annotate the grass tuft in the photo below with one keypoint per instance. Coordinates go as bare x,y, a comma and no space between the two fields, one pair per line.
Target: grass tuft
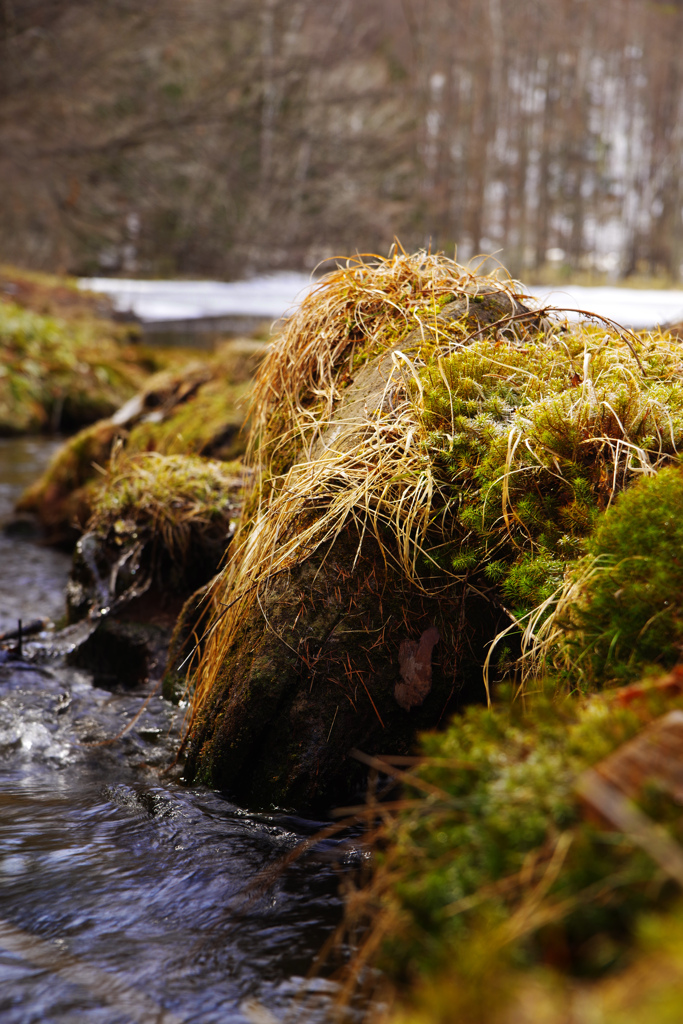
173,497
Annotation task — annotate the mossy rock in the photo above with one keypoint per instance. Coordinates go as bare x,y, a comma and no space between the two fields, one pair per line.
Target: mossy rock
426,429
199,410
278,731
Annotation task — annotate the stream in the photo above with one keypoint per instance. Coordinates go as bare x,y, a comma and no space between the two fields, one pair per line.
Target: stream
124,895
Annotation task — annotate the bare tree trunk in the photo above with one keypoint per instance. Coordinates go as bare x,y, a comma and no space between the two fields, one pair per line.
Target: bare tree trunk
7,24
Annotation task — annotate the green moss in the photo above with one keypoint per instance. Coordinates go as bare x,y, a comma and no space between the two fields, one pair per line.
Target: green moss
171,496
528,453
57,374
500,865
628,611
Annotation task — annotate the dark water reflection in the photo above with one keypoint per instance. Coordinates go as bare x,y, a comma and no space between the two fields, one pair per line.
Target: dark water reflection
31,578
121,892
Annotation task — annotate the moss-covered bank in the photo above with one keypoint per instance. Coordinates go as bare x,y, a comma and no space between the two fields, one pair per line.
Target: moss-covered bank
512,883
504,888
417,417
63,361
195,409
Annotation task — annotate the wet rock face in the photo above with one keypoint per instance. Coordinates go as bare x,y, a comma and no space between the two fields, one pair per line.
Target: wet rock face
113,568
122,655
133,592
112,585
109,570
313,673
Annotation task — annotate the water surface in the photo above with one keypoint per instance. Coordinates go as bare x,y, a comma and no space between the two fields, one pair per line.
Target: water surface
32,577
124,895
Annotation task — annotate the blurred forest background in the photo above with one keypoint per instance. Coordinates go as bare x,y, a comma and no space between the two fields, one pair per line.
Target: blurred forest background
226,137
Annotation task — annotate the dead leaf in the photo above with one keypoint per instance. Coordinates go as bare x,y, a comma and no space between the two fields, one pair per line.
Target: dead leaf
415,663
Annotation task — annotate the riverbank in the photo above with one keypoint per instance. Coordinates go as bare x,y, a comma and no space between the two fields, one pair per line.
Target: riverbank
446,460
149,492
452,498
64,361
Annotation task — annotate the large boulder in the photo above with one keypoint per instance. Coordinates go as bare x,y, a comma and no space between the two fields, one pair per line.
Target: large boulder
324,661
432,454
325,658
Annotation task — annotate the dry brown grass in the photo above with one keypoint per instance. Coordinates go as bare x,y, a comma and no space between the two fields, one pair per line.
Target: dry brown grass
369,469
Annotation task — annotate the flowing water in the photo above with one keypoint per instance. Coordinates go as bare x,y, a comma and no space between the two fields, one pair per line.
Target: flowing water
32,578
122,892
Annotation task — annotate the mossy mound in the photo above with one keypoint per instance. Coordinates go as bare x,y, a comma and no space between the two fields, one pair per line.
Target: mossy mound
194,409
472,441
58,374
158,530
160,521
492,885
183,501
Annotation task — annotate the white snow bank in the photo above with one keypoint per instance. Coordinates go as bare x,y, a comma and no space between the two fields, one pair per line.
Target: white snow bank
155,301
272,296
631,307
